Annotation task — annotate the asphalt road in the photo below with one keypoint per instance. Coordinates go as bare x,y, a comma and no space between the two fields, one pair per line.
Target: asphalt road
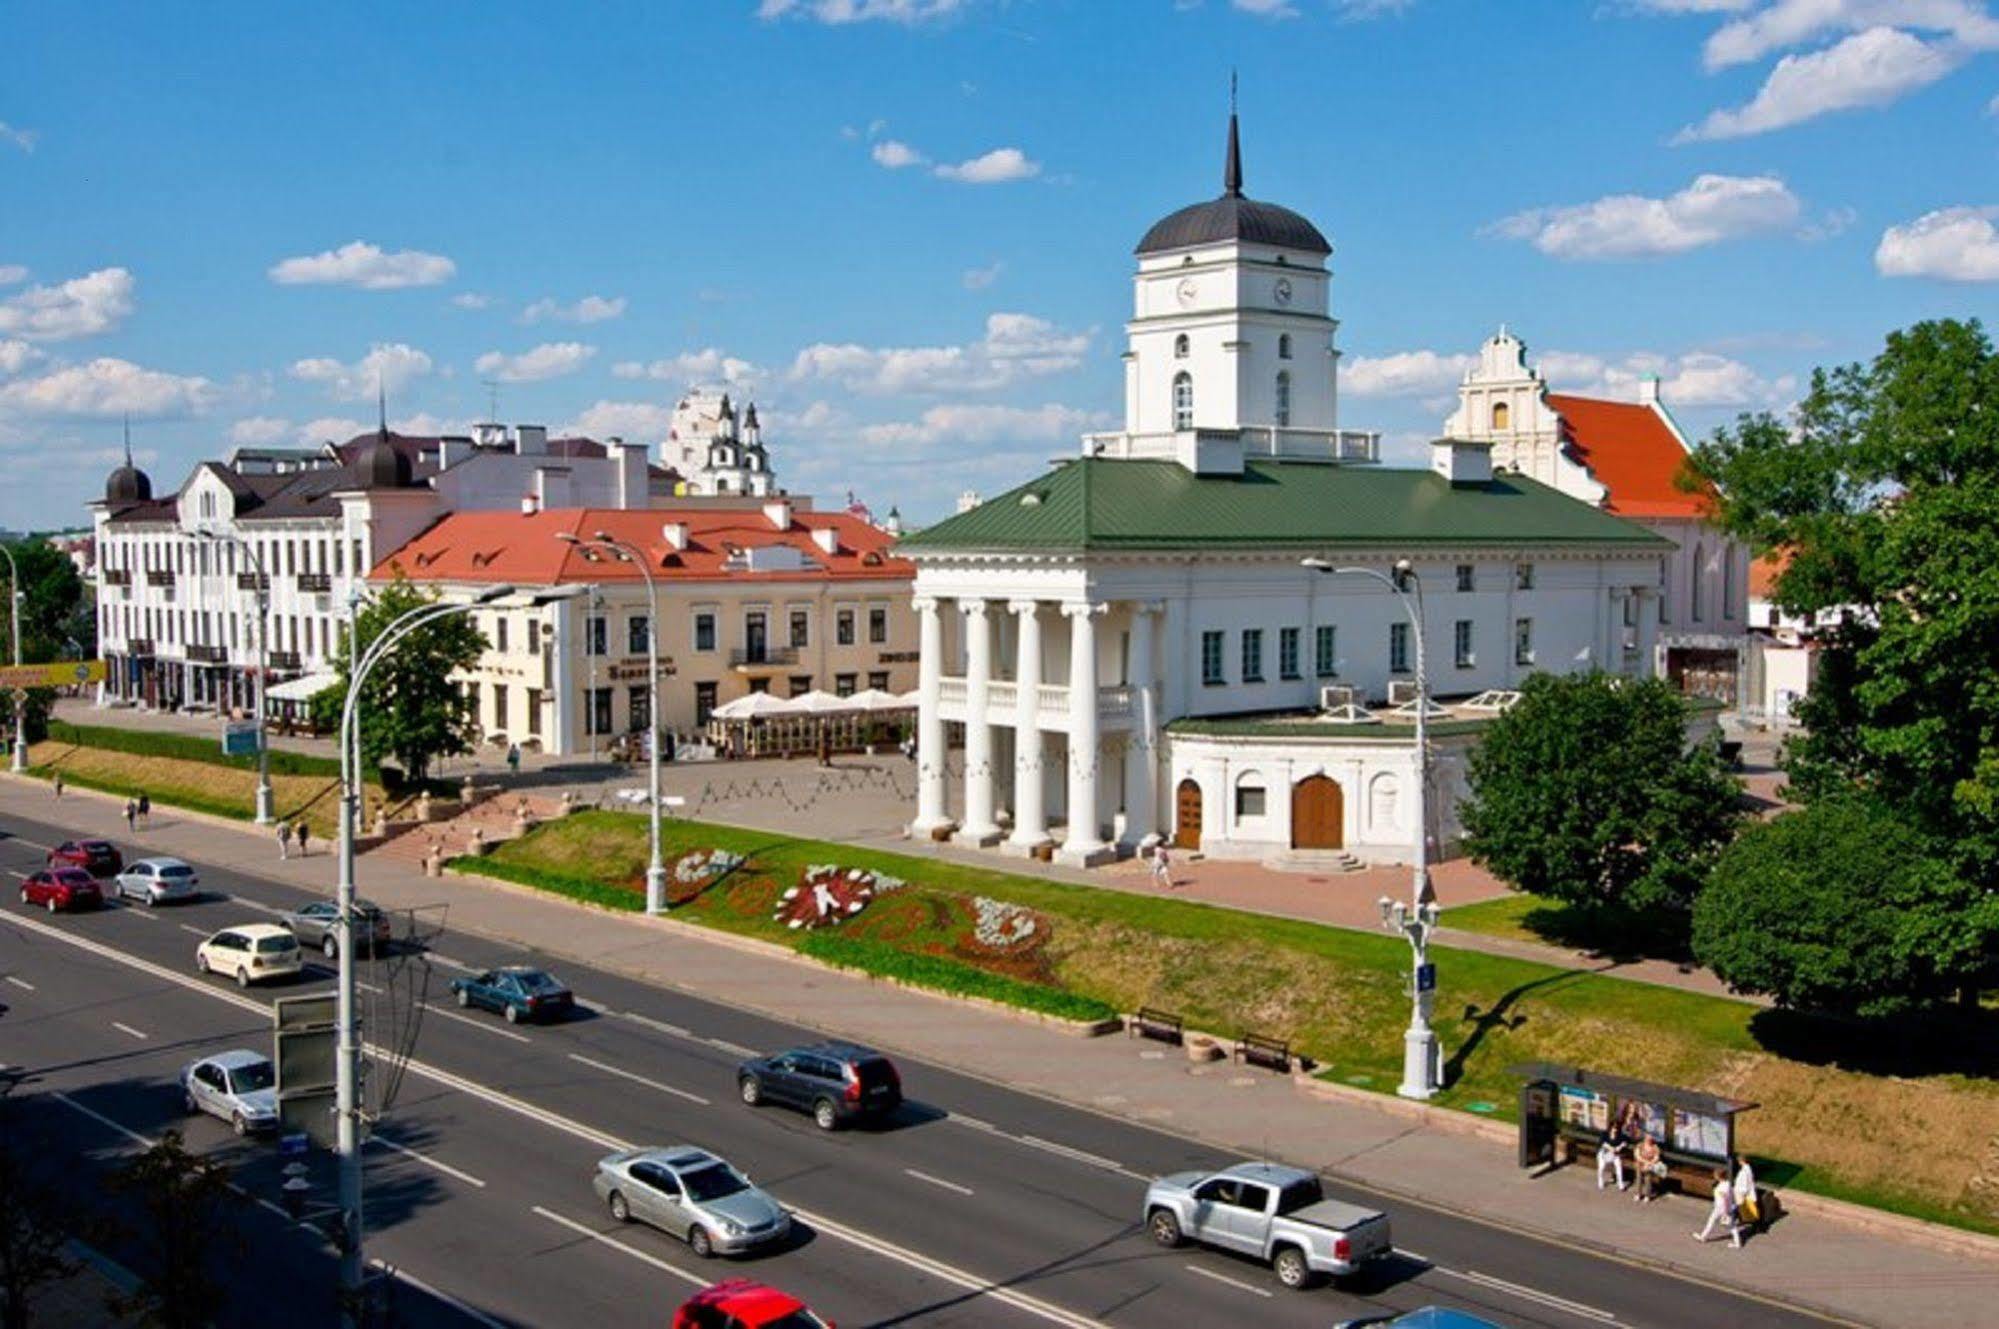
978,1205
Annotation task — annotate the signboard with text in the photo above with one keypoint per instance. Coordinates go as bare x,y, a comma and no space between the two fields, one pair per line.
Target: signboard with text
56,674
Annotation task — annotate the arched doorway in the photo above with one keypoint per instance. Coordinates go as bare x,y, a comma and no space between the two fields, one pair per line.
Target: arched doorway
1187,815
1318,814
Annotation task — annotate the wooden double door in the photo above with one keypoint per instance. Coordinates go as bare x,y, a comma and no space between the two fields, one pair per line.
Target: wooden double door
1187,815
1318,814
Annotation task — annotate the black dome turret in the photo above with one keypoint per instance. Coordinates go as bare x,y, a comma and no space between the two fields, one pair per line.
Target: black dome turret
1232,217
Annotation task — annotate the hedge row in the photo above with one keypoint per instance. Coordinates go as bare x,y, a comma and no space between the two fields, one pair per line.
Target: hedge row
186,747
587,889
951,977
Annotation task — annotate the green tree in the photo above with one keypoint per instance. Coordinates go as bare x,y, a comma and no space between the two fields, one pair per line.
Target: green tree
57,622
1843,907
412,713
184,1216
1588,792
34,1244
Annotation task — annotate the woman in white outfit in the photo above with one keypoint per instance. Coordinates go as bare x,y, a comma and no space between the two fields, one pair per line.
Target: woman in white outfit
1723,1212
1748,1210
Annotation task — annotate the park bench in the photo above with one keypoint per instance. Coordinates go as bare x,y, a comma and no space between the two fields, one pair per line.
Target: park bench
1269,1053
1151,1022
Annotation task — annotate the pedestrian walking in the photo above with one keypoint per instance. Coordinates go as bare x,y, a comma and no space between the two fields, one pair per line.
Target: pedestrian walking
1162,867
131,816
301,839
1651,1169
1748,1210
1723,1213
1610,1156
146,811
513,759
55,782
284,840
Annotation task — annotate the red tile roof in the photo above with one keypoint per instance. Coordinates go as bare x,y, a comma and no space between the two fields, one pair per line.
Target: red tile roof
1632,452
522,548
1763,573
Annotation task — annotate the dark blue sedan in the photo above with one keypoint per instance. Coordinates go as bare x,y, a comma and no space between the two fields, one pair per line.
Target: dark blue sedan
517,992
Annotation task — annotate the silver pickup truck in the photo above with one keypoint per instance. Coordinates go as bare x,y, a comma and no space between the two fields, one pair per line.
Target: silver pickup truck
1278,1214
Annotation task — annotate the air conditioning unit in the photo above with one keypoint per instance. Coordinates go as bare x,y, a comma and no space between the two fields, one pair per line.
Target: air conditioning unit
1332,696
1401,691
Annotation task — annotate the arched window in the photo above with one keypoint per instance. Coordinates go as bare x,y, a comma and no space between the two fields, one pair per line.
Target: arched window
1283,398
1252,797
1180,347
1501,412
1183,400
1696,601
1284,346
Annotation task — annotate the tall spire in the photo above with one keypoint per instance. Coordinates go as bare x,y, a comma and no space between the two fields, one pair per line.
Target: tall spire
128,438
1232,171
381,407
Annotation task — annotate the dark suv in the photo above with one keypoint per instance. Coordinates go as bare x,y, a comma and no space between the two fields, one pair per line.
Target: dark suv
836,1082
99,858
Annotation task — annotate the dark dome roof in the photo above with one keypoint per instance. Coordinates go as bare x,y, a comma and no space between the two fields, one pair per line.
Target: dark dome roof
128,484
382,465
1233,217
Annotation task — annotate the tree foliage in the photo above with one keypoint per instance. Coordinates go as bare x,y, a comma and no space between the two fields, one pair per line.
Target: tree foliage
57,622
184,1216
1842,907
33,1242
1588,792
412,713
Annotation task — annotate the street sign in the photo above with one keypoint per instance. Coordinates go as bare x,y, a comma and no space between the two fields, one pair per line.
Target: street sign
307,1059
20,696
56,674
1426,978
291,1146
240,738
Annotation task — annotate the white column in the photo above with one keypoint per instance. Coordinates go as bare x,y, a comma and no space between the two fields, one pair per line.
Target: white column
1030,809
1141,754
930,753
979,827
1085,844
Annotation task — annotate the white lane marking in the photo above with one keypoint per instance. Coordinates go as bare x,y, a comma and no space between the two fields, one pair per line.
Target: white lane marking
647,1257
638,1079
139,911
660,1025
1236,1283
476,1024
1069,1151
405,1276
141,1035
1408,1254
937,1181
974,1122
257,905
34,844
189,927
1034,1306
18,876
1531,1294
21,983
735,1048
102,1120
448,962
427,1160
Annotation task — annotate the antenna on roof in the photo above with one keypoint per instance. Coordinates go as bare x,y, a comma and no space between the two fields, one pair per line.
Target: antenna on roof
492,386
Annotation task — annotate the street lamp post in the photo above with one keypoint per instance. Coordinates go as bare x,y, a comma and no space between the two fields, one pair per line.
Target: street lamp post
15,602
632,554
266,802
1422,1061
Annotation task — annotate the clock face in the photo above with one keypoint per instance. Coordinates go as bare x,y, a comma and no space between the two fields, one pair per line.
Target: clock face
1282,290
1186,290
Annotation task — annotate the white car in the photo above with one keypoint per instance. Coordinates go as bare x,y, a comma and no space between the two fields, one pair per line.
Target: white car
238,1086
153,881
250,953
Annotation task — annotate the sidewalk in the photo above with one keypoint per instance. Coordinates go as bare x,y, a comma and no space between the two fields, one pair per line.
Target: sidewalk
1887,1271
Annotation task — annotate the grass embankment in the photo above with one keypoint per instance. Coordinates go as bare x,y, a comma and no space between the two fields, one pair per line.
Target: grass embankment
1903,1122
187,771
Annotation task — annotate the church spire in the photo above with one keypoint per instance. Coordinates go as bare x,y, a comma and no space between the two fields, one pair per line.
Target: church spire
1232,170
128,438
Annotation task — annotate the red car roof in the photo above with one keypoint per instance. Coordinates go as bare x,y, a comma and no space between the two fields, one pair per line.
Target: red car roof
752,1303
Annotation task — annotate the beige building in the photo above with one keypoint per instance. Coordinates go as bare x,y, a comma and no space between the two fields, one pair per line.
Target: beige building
754,596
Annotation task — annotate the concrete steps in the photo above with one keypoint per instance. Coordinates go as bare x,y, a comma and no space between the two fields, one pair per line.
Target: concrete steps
494,818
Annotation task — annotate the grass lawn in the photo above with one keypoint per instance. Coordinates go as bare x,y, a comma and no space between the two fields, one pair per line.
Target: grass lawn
227,790
1905,1123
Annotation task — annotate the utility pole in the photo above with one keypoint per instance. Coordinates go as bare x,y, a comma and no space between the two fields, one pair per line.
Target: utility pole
16,599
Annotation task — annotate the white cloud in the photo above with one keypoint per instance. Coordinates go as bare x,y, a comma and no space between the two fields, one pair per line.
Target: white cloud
895,155
425,425
707,365
24,139
471,300
1788,23
11,273
1403,374
1692,379
1695,6
1955,244
999,166
986,424
1711,209
1871,68
635,420
859,11
329,429
549,360
1266,8
16,355
80,307
108,387
590,309
390,367
259,429
978,279
1015,347
1358,10
366,266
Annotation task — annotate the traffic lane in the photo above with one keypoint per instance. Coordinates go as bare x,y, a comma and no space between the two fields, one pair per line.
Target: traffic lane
541,1189
1458,1245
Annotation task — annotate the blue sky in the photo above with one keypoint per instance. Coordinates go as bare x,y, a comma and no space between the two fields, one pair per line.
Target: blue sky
905,226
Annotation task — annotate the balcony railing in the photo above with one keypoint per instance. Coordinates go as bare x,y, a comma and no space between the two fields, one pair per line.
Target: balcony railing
778,657
207,654
315,582
250,581
284,660
159,577
1114,703
116,576
139,646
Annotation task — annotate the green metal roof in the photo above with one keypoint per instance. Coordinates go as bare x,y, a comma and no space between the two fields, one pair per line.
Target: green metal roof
1099,503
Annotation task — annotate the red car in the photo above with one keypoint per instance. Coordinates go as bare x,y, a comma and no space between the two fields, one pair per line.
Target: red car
742,1304
100,858
62,888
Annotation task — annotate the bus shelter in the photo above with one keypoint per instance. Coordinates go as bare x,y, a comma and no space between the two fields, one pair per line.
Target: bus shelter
1567,1110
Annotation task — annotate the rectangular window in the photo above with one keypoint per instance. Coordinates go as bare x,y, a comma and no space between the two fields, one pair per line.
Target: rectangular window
843,628
704,702
1252,655
638,706
1211,659
704,631
759,685
799,684
1325,651
500,707
1250,800
1461,643
500,633
534,712
878,680
1398,648
1523,641
1523,576
596,635
638,632
843,685
1287,653
1465,571
877,625
801,629
534,636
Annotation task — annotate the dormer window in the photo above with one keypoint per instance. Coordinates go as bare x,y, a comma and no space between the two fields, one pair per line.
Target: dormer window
1180,347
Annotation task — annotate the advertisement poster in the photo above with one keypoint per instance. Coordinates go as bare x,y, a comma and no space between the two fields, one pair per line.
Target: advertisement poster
1651,1120
1583,1107
1697,1133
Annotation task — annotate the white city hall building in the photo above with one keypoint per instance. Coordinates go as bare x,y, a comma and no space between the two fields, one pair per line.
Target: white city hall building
1132,646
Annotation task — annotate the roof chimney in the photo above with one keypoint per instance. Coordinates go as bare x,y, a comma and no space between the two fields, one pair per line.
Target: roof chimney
1648,390
1462,461
530,440
675,534
827,538
778,513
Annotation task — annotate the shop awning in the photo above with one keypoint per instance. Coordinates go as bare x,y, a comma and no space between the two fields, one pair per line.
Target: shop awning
304,688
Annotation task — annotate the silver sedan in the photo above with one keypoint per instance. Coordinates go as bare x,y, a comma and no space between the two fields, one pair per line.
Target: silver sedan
153,881
316,926
691,1194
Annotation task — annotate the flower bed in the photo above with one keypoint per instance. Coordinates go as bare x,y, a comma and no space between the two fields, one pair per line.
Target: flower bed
828,895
